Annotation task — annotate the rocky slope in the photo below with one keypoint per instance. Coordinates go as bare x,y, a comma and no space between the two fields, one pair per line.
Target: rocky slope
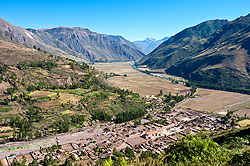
77,43
149,44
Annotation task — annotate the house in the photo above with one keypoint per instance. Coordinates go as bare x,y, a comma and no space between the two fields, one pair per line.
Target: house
28,157
38,155
67,147
153,134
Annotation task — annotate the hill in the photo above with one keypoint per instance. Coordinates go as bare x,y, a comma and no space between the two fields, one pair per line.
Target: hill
149,44
78,43
180,45
42,94
222,60
214,53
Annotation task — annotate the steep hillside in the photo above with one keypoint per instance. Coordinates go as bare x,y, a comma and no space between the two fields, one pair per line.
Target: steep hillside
149,44
223,60
23,37
180,45
78,43
42,94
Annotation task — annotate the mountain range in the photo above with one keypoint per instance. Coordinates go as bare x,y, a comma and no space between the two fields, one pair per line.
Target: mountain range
149,44
214,52
77,43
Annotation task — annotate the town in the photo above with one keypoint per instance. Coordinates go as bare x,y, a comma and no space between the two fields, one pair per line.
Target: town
154,132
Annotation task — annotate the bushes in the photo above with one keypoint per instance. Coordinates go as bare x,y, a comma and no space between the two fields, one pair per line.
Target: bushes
47,65
195,150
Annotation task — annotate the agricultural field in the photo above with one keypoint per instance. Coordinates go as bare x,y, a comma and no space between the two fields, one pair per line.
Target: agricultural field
118,68
148,85
213,101
244,122
139,82
3,87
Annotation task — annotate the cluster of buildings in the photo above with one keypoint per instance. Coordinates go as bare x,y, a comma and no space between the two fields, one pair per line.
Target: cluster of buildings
153,134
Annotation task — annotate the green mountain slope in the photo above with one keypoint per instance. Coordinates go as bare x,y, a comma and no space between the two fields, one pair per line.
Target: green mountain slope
180,45
223,60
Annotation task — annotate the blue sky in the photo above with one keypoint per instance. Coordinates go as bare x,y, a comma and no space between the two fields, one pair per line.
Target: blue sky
133,19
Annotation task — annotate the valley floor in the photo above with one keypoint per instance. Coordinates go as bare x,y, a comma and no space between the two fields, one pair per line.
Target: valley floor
154,132
206,100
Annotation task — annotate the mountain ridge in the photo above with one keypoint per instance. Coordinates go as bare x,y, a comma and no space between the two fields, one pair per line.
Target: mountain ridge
73,42
218,58
179,45
223,60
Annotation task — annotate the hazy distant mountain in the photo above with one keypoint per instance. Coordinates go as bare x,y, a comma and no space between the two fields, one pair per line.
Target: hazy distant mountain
74,42
149,44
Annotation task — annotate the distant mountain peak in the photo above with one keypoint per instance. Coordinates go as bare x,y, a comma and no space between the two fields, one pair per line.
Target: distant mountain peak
149,44
150,39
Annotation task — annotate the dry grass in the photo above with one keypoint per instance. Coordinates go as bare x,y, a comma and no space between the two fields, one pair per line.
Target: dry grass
69,98
118,68
243,112
47,105
37,94
11,52
215,101
4,86
244,122
5,128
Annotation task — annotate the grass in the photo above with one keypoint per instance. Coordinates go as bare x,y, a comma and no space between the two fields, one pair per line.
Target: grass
79,91
67,112
4,109
43,98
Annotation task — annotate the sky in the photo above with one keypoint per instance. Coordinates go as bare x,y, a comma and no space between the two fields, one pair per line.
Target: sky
132,19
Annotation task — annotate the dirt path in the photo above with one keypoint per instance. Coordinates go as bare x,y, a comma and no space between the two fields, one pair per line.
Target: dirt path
29,146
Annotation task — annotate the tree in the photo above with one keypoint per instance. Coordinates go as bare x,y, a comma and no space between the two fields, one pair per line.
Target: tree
123,163
129,153
34,163
108,162
68,162
24,160
196,150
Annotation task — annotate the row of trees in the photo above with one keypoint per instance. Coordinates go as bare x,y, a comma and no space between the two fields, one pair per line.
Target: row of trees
46,65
